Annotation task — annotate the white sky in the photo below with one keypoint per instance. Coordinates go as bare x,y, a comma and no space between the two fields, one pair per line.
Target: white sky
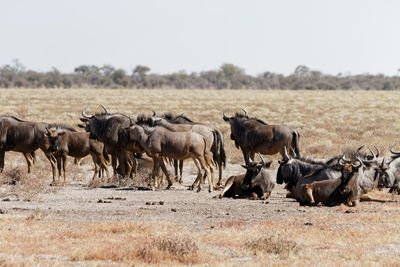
356,36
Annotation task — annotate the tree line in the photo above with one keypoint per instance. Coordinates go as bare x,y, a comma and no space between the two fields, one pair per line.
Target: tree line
227,76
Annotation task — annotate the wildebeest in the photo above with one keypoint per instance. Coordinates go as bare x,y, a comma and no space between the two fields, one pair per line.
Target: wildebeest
160,142
314,187
76,144
25,137
255,184
218,150
389,172
252,135
206,132
107,128
292,170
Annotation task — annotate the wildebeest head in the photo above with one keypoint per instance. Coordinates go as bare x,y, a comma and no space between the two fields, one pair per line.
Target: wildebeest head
236,125
288,171
349,168
177,119
53,135
382,174
253,169
105,126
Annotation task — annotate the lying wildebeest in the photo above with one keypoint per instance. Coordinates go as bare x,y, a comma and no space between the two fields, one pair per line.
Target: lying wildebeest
218,150
255,184
76,144
253,135
293,170
25,137
107,128
206,132
314,187
389,172
160,142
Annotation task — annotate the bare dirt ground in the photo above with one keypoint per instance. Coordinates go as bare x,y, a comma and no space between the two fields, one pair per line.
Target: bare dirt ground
80,224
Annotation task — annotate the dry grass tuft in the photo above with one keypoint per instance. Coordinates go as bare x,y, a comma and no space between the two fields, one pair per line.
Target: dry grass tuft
23,185
169,249
272,245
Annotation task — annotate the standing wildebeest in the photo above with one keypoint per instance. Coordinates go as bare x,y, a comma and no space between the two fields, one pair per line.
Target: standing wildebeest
160,142
108,128
76,144
253,135
218,150
206,132
25,137
255,184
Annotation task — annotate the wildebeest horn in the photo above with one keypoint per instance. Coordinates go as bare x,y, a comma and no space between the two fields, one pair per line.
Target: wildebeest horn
105,109
343,159
154,114
393,151
383,161
286,157
293,152
261,158
370,160
359,163
378,152
84,113
361,147
245,113
226,118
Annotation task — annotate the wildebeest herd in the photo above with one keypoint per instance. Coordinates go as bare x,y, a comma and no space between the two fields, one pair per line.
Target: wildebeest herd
346,178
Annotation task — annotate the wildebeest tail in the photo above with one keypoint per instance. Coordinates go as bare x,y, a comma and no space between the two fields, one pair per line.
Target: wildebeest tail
214,147
222,154
105,155
295,142
33,156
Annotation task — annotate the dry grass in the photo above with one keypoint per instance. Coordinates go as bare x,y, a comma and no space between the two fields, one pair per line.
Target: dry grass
328,122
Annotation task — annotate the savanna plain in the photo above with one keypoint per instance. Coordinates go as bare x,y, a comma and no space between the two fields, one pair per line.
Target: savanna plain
95,223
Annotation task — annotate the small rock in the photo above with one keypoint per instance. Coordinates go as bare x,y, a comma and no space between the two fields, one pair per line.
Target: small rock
6,199
2,211
173,210
148,203
212,226
161,202
100,201
227,213
308,223
153,203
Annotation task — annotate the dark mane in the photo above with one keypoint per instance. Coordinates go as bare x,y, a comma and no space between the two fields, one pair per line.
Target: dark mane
62,127
243,117
12,117
172,118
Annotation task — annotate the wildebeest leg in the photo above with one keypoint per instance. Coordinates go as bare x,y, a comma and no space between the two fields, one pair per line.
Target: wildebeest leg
114,163
246,156
2,153
309,190
154,176
205,166
265,195
52,160
176,170
164,169
227,186
29,161
64,165
199,174
58,160
219,172
367,197
180,171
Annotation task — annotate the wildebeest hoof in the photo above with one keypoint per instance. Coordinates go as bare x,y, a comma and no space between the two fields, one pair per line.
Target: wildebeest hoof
198,189
190,187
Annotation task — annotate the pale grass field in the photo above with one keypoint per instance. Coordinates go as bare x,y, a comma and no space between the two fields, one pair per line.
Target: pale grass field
328,123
